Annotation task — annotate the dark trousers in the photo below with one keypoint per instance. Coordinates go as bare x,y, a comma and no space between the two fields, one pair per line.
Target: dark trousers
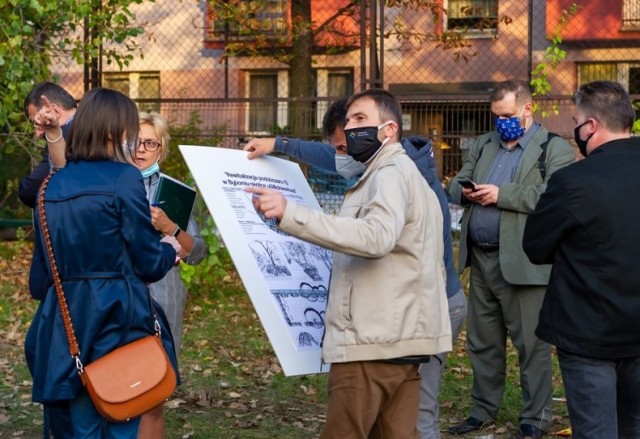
57,421
603,396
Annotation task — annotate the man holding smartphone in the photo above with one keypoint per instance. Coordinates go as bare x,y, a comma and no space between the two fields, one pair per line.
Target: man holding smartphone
499,185
467,184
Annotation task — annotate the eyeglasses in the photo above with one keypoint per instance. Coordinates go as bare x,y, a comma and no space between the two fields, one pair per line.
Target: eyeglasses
149,144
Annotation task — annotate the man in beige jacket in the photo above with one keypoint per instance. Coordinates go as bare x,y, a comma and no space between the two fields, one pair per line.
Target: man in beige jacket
387,309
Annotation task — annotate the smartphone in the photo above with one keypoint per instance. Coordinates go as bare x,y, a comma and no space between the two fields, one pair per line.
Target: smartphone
467,184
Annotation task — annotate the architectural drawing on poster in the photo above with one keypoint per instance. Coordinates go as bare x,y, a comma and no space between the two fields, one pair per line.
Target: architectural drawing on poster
286,278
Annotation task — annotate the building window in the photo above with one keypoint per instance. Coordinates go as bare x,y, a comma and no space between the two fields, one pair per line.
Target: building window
268,109
263,115
143,85
630,14
634,80
627,74
246,18
472,15
340,84
590,72
330,83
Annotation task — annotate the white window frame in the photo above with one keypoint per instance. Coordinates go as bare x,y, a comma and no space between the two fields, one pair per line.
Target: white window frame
133,79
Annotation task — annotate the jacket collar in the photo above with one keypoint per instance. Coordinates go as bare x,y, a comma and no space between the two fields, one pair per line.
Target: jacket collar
386,154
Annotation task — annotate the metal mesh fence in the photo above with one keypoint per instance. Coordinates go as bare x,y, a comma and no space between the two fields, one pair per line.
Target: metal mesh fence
488,41
232,70
234,62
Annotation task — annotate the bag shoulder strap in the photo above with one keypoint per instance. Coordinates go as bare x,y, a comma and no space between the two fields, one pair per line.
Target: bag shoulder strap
74,350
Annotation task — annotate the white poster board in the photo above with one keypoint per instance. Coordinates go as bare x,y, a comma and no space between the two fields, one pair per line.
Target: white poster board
287,279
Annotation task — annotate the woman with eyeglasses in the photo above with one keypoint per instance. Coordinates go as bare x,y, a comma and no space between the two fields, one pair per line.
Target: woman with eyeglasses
169,292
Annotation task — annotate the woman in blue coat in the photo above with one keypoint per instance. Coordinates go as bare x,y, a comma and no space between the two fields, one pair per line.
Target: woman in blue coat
107,251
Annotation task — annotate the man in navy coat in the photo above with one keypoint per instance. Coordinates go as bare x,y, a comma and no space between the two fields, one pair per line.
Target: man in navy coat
56,417
586,225
63,105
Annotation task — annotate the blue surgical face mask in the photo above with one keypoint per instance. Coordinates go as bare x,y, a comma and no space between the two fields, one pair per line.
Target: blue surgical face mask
348,167
510,128
147,172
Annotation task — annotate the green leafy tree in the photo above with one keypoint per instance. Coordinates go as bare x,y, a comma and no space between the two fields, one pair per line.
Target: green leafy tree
34,35
39,33
553,55
635,128
217,266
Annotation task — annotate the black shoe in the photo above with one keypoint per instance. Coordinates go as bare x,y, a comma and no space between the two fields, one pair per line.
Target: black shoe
466,426
529,432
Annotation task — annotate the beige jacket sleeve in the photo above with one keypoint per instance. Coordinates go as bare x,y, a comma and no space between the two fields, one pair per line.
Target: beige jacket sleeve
368,225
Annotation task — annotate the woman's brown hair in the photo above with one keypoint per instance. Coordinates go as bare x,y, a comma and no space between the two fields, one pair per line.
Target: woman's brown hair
104,115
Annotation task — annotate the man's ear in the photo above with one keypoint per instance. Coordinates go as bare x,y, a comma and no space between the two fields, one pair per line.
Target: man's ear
391,130
57,108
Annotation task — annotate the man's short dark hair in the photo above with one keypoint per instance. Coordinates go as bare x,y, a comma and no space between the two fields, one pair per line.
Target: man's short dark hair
608,102
334,118
53,92
387,104
521,89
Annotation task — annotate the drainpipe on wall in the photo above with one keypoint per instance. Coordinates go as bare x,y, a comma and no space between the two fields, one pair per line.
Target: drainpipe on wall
530,41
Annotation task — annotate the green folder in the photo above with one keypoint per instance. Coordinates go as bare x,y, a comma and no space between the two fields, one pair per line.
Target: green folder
175,198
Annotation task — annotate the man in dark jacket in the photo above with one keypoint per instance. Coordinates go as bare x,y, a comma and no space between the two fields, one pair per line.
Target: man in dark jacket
586,225
63,107
333,157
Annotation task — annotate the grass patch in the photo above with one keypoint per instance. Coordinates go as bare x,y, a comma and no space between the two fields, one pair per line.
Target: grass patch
232,381
233,386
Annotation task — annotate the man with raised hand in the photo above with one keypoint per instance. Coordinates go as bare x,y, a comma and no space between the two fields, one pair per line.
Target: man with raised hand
51,110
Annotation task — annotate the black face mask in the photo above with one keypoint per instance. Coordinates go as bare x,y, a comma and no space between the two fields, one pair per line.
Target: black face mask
582,144
362,142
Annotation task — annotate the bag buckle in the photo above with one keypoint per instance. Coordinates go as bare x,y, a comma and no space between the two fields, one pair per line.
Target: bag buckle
79,365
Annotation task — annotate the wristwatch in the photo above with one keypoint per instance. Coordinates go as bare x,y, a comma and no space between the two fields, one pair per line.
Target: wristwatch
177,231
